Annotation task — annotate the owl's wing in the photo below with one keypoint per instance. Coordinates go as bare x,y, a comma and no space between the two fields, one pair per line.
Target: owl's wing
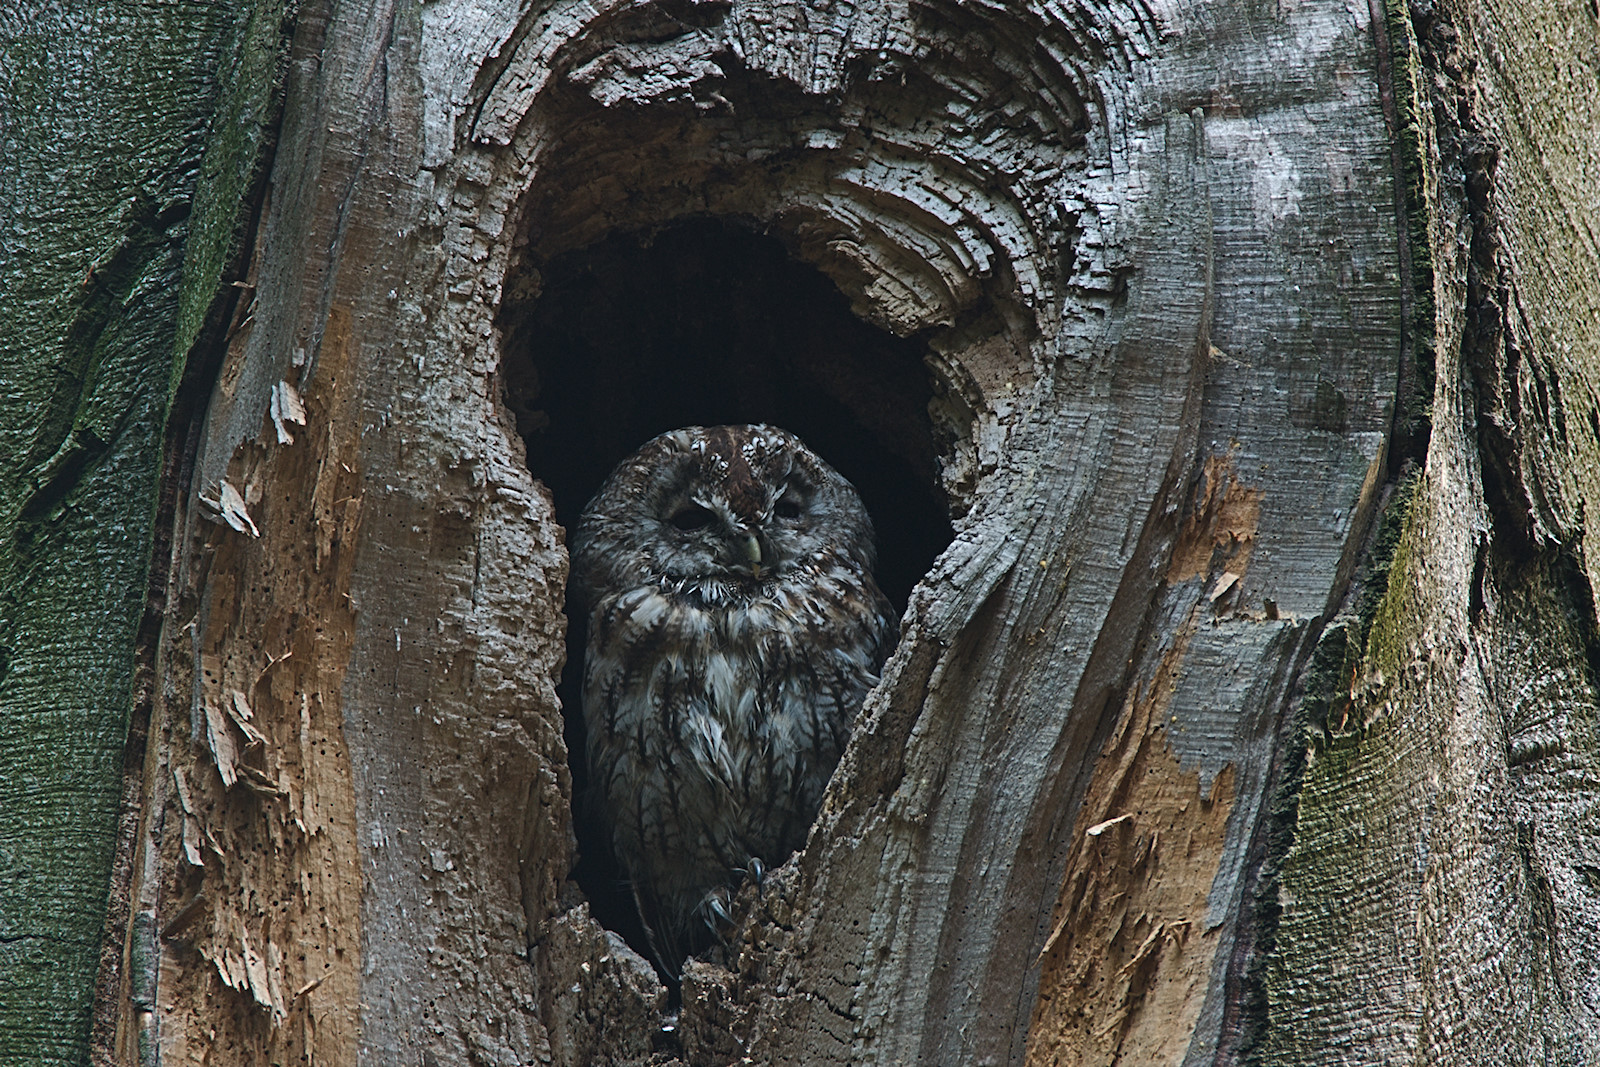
661,929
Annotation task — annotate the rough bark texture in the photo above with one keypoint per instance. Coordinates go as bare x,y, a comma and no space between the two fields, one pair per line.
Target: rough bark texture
130,135
1440,903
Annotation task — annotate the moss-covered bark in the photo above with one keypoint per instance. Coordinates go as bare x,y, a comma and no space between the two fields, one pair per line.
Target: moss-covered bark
130,134
1439,902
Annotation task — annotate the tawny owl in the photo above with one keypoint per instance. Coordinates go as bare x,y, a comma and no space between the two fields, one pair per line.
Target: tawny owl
734,630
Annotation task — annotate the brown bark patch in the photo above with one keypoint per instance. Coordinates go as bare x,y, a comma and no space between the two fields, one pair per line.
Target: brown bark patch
258,907
1127,962
1220,532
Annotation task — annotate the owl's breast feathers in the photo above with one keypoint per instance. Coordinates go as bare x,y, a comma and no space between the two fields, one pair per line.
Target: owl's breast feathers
730,717
747,651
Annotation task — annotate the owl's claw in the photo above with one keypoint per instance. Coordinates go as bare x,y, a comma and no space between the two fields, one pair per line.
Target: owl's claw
756,871
716,912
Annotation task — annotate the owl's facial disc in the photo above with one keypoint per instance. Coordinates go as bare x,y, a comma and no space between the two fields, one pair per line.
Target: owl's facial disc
736,505
745,534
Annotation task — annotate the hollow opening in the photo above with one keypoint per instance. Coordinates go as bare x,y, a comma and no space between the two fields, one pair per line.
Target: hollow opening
708,321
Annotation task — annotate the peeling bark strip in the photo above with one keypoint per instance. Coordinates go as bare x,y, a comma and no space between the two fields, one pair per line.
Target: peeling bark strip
1152,251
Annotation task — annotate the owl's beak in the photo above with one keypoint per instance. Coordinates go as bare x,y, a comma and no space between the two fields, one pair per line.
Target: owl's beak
752,552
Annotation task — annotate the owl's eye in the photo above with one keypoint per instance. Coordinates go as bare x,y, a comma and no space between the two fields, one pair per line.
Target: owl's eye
691,517
787,508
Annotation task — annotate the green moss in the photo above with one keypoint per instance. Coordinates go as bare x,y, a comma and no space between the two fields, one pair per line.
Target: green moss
237,151
1335,746
1350,642
1384,603
1325,741
1392,609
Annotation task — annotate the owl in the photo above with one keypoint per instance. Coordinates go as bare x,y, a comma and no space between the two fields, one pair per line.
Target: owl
734,629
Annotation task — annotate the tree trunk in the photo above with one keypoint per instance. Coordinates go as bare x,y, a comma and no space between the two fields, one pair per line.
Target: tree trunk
1439,903
1235,364
132,139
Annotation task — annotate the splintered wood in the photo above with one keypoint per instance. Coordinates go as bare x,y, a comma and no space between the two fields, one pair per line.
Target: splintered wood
250,861
1129,955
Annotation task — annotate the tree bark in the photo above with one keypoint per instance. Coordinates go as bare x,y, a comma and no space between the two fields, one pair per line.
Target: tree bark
1249,714
1439,902
132,139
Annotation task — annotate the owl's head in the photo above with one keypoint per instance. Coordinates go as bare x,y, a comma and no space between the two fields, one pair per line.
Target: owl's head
732,506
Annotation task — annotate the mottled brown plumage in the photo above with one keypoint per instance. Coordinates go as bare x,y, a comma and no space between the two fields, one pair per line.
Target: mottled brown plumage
734,630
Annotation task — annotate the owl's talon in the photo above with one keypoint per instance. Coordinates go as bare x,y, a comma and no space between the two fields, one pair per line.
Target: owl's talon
716,912
756,871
